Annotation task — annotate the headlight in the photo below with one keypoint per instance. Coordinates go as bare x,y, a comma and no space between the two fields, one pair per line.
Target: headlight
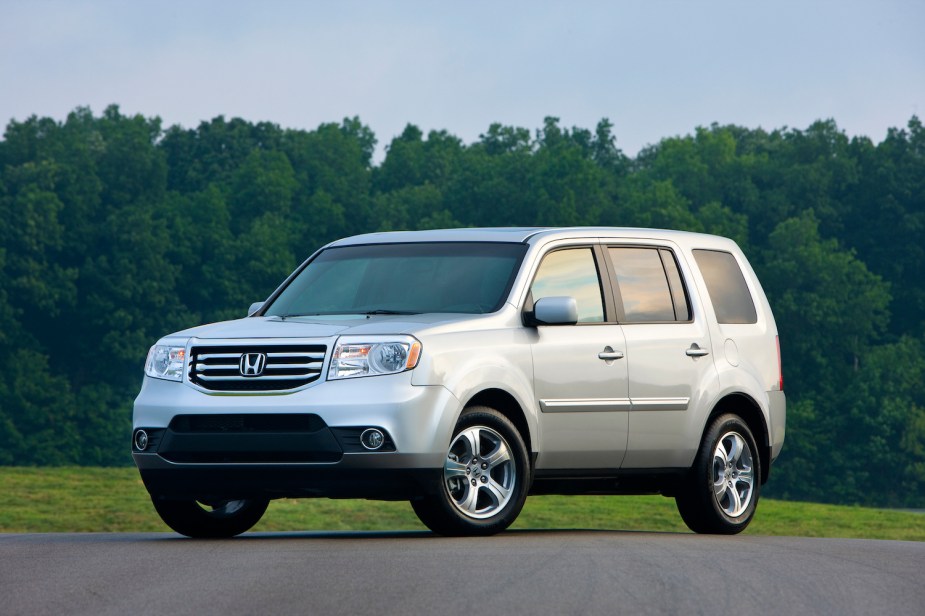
166,362
373,355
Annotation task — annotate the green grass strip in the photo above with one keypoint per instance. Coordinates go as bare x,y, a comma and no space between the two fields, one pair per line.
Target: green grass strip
43,500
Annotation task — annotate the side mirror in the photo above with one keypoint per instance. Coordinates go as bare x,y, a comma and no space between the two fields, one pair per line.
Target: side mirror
254,308
560,310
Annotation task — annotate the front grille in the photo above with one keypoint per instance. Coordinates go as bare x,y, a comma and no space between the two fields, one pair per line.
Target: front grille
224,424
284,367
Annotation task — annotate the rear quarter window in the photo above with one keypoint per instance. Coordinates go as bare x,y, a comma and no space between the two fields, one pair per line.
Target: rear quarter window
726,285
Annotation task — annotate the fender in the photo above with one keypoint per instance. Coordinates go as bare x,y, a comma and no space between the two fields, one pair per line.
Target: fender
457,362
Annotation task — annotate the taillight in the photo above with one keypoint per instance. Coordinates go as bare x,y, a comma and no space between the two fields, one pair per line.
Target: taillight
780,366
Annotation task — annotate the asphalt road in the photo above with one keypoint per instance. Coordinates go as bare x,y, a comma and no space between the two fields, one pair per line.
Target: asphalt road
541,572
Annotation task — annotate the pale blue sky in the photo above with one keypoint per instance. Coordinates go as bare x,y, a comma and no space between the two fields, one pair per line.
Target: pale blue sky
654,68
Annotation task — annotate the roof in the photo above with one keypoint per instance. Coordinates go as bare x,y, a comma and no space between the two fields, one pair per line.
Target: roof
484,234
520,235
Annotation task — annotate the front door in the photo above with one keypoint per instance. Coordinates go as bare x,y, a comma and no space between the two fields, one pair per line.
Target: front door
580,373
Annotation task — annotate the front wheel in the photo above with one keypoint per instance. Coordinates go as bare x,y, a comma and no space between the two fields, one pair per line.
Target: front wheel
724,484
209,521
485,478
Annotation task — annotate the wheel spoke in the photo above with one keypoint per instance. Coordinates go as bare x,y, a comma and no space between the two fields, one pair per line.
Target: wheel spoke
470,500
225,508
735,502
736,450
746,476
453,468
719,489
471,438
498,492
720,453
499,456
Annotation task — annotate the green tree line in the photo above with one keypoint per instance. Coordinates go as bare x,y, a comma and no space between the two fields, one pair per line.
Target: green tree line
115,230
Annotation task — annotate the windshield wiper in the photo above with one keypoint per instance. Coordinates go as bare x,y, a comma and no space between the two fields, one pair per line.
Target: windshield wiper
294,315
366,313
374,312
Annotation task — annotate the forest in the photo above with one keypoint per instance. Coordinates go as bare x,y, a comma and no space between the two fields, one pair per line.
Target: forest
116,230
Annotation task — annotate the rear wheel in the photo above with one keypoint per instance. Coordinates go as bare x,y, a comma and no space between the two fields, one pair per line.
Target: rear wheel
485,479
214,520
724,484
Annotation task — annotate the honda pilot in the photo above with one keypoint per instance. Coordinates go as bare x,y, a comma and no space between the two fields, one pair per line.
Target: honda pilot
465,370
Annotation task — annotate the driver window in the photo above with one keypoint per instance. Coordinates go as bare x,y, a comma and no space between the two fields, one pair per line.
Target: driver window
572,273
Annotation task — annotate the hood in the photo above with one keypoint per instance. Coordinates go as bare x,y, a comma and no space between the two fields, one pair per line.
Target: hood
319,327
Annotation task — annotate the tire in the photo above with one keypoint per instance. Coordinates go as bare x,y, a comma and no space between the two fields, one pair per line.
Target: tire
485,479
218,520
722,490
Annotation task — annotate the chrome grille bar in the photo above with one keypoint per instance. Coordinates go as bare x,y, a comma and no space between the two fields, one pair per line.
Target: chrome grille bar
263,377
216,367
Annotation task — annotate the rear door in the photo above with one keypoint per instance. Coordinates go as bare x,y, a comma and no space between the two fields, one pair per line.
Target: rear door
668,348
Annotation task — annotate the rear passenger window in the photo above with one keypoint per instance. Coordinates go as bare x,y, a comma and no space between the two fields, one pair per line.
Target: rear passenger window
726,285
649,285
682,311
571,273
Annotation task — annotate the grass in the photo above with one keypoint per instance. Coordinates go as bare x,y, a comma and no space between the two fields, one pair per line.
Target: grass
41,500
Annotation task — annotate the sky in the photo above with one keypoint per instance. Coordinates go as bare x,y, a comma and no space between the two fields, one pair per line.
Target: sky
655,69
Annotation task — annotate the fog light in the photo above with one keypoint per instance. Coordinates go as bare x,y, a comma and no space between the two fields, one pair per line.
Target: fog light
372,439
141,440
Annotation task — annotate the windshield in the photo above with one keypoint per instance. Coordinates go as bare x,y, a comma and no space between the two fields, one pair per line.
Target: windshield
467,277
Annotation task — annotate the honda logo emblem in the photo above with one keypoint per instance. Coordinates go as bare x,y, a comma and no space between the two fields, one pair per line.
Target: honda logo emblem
252,364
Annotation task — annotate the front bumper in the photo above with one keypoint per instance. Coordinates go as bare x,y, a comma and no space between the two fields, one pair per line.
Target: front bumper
317,458
216,482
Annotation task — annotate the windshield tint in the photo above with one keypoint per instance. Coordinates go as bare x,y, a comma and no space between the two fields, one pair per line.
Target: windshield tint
415,278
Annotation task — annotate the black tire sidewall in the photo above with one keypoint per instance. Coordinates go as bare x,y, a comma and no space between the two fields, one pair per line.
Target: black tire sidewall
188,518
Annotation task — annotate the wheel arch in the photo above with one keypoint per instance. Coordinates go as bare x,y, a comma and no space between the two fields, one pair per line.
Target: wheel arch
745,407
506,404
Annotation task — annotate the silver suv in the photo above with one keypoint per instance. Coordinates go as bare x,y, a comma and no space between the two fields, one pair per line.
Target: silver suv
464,370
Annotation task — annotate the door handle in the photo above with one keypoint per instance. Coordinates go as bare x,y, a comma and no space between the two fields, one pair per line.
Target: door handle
696,351
608,354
